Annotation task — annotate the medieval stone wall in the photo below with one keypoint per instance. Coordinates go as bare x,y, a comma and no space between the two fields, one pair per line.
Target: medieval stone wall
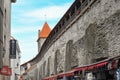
94,35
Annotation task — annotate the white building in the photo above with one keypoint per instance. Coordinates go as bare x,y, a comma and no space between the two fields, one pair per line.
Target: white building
15,59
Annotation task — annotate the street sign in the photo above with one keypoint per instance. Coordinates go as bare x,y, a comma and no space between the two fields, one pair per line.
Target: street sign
5,70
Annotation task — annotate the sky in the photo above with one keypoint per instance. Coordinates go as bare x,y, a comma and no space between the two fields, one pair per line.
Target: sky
28,16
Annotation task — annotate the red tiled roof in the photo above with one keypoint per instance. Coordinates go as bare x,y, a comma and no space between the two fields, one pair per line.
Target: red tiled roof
45,31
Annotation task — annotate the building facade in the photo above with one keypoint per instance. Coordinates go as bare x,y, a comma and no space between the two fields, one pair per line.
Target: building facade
15,59
1,31
5,24
87,33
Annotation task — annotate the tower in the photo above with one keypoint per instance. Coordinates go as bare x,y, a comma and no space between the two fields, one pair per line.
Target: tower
43,34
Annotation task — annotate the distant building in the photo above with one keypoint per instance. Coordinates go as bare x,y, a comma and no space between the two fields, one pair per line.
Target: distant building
5,32
15,59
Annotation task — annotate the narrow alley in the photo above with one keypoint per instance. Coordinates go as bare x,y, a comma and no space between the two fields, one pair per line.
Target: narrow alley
76,40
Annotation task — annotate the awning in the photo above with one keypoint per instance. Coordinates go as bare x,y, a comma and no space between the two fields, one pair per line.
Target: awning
50,78
69,73
91,66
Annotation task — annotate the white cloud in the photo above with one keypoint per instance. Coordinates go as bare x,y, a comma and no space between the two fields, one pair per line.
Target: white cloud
52,12
24,29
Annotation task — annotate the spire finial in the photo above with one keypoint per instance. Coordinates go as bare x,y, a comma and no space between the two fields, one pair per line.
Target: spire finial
45,17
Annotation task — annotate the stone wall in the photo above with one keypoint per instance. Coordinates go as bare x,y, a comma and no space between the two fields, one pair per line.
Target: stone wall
1,35
92,37
40,43
5,26
6,34
1,32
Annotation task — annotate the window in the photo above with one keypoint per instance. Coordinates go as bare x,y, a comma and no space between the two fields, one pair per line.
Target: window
5,18
78,5
67,17
4,48
13,49
63,22
72,11
60,26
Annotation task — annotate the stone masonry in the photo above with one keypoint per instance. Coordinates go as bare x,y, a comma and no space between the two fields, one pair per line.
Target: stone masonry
91,37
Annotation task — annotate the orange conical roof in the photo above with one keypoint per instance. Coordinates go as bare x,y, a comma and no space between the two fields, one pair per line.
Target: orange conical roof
45,31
